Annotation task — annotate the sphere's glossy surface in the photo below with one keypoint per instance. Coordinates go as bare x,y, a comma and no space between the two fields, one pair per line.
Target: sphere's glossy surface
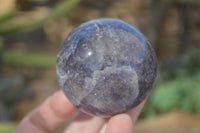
106,67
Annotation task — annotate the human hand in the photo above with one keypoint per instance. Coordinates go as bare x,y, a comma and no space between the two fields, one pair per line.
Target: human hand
57,109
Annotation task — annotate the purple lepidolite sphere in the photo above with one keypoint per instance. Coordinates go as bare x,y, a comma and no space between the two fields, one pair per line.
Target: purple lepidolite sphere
106,67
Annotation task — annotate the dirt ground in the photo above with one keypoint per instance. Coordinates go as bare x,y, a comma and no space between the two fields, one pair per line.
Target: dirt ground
173,122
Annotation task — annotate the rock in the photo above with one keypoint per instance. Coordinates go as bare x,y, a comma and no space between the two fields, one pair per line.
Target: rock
106,67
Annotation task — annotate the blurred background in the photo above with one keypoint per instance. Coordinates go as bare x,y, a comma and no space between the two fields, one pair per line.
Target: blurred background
31,32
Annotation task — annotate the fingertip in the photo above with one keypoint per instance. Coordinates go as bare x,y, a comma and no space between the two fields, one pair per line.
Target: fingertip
135,112
61,106
121,123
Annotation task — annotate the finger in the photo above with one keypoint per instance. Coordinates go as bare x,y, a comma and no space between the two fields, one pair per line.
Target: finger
86,124
121,123
48,116
103,128
134,113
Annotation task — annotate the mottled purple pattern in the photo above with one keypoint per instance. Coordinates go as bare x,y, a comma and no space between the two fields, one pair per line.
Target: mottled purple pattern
106,67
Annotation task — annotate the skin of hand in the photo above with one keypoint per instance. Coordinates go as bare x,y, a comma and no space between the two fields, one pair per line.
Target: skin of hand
57,109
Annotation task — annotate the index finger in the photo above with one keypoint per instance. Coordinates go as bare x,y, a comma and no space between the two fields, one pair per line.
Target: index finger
48,116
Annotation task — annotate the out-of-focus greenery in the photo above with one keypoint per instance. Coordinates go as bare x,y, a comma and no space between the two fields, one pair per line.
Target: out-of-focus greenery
61,9
192,66
181,93
1,60
1,42
7,16
7,127
33,60
29,60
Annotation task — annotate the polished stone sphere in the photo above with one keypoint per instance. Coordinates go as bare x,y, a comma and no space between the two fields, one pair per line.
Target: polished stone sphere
106,67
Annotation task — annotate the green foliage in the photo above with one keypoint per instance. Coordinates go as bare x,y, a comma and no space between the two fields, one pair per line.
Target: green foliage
166,96
193,62
7,16
30,60
1,42
33,60
7,127
61,9
181,92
